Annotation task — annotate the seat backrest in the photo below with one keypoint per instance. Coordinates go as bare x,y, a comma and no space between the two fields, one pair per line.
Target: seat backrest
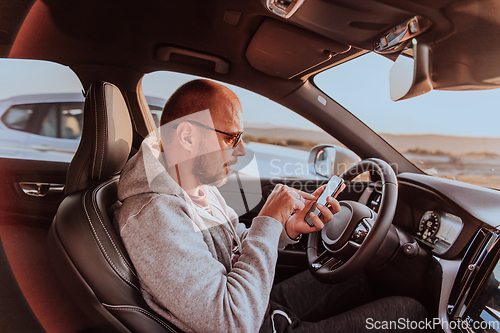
84,248
106,138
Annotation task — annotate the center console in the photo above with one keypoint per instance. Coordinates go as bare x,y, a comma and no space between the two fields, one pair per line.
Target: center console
474,303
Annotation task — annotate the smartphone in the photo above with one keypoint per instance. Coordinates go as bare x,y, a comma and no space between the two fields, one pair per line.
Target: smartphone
332,188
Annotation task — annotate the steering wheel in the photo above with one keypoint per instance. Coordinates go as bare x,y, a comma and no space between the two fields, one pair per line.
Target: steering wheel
348,242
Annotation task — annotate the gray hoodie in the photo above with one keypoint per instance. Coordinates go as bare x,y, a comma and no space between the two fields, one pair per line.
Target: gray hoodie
182,254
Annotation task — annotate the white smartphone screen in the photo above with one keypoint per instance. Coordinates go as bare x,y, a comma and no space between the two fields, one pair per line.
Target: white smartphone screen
332,187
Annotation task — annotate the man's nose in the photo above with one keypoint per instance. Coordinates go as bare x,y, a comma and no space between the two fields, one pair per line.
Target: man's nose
239,149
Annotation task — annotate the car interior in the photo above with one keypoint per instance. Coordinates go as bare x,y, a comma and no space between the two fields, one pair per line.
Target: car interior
63,265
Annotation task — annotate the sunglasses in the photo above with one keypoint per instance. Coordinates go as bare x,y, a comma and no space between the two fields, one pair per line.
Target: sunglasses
235,138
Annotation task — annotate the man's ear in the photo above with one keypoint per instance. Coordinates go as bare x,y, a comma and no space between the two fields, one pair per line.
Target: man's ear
185,135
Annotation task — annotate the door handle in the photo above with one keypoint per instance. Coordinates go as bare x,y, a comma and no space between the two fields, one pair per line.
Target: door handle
36,189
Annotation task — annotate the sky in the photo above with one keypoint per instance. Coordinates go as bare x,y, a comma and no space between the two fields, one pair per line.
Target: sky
360,85
463,113
25,77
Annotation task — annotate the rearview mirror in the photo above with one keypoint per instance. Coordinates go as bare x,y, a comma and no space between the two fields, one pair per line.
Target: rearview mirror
410,76
331,160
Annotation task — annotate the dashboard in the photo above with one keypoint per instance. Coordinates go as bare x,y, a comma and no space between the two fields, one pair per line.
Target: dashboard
474,302
459,224
455,268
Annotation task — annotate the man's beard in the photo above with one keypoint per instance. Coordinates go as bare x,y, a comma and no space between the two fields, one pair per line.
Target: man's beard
204,174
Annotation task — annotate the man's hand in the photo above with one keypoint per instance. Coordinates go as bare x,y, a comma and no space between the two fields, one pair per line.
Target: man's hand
284,201
296,224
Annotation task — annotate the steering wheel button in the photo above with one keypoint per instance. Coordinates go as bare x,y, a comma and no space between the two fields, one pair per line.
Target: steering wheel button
359,233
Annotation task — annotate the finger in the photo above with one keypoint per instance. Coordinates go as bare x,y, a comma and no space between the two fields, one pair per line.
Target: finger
333,205
296,199
298,204
319,190
341,189
317,223
326,213
294,194
303,194
278,187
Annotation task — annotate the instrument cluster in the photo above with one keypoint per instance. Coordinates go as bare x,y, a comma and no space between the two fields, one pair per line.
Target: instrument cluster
439,230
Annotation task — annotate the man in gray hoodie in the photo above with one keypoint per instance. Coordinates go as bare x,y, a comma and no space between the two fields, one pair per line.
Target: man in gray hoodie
199,267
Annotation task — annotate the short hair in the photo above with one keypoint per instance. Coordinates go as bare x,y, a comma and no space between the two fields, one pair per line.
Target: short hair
191,97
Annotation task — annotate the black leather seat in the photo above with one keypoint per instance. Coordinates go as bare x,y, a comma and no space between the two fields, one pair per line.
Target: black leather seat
83,246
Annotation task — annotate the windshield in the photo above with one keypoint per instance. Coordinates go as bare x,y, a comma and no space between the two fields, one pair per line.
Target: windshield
450,134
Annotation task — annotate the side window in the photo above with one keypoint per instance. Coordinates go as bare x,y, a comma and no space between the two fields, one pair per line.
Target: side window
49,123
156,107
71,120
156,113
41,110
18,116
58,120
280,139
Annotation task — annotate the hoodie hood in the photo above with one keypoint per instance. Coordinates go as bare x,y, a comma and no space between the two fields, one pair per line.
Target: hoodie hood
144,173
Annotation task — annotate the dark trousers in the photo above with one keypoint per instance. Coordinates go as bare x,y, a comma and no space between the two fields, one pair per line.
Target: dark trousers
317,307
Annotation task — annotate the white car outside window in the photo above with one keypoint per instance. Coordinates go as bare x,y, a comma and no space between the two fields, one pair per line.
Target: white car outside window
46,127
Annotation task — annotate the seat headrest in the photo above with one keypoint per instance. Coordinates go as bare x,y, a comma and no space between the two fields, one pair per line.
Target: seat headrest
106,138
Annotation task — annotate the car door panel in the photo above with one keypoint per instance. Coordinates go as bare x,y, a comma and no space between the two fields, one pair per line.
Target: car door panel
19,207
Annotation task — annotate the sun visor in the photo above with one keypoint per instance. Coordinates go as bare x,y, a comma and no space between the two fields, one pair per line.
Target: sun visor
284,50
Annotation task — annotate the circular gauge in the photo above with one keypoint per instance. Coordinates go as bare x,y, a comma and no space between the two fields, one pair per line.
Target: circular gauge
429,226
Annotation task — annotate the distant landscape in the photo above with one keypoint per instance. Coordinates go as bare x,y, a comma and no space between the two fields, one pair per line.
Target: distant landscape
469,159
